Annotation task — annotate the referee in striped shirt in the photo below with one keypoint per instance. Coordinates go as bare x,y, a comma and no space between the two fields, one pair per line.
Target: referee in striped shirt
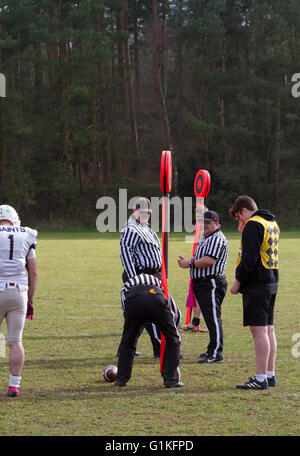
209,282
141,253
140,246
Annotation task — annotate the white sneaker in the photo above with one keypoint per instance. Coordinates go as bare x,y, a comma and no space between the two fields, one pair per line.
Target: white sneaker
189,327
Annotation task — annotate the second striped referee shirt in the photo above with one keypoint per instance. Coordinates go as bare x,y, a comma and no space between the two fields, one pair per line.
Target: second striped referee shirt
215,246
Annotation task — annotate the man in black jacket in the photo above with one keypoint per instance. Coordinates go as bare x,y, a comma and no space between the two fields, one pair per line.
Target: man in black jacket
256,277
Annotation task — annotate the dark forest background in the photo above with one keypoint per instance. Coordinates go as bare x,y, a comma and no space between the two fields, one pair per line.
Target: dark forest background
96,89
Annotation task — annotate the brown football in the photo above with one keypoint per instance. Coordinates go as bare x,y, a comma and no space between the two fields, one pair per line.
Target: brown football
110,373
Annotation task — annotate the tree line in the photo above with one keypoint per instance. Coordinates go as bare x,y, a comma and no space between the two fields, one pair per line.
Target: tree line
96,89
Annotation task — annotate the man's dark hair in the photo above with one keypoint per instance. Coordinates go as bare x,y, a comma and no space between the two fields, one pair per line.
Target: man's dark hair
243,201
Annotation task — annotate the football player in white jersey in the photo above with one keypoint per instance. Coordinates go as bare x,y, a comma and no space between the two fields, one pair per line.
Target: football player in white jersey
17,286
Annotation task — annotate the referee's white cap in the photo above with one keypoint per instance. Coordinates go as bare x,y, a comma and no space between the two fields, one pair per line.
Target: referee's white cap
143,205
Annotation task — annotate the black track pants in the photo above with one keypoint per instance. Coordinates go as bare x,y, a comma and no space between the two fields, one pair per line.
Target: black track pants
148,304
151,329
210,294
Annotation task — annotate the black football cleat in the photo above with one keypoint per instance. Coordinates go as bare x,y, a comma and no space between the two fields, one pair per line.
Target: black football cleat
174,384
120,383
271,381
253,384
203,355
210,360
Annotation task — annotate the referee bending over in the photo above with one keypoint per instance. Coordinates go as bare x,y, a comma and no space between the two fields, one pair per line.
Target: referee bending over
209,282
143,300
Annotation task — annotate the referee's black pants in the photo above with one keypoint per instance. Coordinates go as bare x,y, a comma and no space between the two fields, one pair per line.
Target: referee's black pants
151,329
147,303
210,293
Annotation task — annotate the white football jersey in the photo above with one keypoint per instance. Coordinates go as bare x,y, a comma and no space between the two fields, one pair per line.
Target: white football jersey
16,245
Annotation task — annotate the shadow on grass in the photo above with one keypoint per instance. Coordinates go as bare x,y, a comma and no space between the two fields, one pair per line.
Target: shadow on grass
103,390
106,391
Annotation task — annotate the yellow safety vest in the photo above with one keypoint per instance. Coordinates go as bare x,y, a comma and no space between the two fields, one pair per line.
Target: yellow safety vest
269,246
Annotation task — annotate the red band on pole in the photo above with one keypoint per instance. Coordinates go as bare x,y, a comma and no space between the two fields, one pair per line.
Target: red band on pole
166,171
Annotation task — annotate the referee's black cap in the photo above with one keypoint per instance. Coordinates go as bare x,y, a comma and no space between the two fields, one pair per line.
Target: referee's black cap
211,216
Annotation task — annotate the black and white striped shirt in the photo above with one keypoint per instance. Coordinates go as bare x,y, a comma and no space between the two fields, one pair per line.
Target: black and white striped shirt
139,247
215,246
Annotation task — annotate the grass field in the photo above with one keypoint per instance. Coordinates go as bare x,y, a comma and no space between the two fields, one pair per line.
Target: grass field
76,332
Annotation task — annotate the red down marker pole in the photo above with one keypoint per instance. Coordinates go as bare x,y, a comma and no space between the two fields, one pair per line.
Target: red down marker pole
166,185
201,191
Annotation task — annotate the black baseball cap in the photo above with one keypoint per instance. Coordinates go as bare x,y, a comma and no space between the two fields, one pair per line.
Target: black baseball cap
211,216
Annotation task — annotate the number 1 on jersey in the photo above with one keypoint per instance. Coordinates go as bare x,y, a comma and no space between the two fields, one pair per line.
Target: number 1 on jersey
11,249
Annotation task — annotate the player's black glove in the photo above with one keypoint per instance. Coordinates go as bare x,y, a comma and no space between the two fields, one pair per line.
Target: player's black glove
29,314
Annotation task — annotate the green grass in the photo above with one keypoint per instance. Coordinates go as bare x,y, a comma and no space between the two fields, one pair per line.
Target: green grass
76,332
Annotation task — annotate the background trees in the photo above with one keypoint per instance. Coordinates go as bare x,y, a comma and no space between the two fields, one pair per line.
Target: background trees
96,89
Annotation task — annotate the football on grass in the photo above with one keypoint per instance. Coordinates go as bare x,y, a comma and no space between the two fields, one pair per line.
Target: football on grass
110,373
